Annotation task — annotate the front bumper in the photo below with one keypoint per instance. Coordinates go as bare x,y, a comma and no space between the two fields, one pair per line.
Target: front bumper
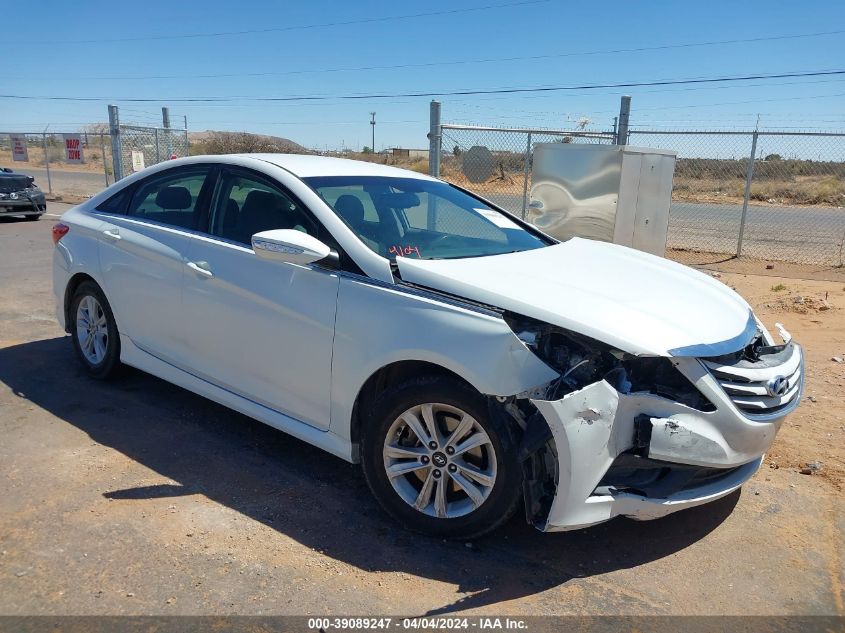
592,427
22,206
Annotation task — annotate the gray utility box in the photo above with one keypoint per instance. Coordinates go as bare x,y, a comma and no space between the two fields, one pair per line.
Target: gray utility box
613,193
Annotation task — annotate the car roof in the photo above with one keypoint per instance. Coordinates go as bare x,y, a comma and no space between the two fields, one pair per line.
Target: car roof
308,166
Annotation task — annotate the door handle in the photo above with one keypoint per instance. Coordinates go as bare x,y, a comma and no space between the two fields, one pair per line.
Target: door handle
201,268
112,234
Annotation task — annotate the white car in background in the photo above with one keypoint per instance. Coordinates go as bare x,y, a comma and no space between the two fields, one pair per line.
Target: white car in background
467,360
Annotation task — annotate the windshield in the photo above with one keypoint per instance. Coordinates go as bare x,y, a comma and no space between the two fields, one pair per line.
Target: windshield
409,217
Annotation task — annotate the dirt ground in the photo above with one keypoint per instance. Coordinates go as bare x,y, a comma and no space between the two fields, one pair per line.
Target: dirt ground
93,158
137,497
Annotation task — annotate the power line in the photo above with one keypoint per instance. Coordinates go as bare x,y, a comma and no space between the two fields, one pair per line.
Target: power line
475,102
441,93
724,103
454,62
300,27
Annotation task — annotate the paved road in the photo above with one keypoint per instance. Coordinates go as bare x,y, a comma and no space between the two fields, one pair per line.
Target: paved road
84,183
137,497
814,235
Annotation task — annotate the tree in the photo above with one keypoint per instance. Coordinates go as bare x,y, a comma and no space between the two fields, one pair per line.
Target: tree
456,150
368,149
773,157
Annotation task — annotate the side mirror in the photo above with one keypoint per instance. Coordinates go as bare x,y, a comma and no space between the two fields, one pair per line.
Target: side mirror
288,245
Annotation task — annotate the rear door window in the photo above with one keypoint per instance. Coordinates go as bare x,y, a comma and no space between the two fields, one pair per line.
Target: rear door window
171,197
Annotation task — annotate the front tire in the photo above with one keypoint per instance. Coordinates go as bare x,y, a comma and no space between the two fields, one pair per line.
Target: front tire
438,462
94,331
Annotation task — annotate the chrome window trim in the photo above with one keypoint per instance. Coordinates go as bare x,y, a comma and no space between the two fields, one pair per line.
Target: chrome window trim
145,222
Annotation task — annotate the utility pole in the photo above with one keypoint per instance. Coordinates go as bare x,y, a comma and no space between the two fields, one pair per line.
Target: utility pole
624,115
165,117
373,123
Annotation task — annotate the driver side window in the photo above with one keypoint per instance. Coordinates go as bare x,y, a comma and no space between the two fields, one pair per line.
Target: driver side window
245,205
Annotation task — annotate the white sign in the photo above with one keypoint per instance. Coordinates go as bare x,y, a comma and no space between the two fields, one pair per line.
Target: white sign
19,151
498,219
73,148
137,160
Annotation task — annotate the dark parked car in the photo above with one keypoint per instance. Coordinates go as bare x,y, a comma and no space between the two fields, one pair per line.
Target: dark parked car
19,195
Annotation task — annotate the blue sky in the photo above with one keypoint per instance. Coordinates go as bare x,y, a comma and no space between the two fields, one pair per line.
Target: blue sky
88,50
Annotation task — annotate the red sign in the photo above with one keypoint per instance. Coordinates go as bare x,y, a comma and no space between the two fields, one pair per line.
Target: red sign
19,151
73,148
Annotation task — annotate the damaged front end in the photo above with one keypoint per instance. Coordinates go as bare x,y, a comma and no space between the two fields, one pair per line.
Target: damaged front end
618,434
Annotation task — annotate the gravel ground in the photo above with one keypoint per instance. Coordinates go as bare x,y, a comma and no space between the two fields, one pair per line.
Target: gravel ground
137,497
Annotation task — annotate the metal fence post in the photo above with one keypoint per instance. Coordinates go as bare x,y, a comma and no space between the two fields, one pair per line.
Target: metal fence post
47,164
748,178
158,154
434,140
103,150
526,173
168,139
116,149
624,115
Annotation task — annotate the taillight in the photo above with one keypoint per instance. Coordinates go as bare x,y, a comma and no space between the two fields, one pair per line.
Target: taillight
59,231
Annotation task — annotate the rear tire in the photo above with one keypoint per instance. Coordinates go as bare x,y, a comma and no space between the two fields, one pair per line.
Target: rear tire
94,331
32,218
459,478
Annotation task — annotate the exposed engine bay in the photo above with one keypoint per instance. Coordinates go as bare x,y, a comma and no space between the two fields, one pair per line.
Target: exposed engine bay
582,361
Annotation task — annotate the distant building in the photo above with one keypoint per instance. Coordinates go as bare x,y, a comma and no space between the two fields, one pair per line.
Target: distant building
399,152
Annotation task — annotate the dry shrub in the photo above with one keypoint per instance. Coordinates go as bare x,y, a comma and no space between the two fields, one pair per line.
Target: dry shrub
243,143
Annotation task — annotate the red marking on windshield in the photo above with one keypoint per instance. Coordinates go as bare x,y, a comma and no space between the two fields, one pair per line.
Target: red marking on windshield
404,251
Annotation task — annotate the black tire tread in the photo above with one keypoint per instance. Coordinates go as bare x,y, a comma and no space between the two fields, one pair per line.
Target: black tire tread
111,366
506,436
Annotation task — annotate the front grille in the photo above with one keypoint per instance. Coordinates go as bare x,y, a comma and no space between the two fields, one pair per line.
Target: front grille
765,385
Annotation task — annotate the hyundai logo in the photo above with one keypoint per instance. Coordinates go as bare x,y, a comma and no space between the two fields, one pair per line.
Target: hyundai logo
777,386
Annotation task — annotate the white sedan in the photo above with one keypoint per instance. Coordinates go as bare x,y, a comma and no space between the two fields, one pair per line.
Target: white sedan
468,361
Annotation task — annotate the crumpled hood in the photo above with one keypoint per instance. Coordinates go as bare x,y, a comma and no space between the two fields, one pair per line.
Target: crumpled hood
639,303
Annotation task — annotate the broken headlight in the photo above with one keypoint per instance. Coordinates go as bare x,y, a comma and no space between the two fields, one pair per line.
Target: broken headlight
582,360
579,359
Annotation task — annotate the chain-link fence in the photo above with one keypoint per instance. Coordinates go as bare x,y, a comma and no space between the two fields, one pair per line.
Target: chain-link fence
73,163
496,162
764,194
78,164
141,147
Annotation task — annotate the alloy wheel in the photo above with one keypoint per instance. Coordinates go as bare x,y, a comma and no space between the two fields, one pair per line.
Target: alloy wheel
92,330
440,460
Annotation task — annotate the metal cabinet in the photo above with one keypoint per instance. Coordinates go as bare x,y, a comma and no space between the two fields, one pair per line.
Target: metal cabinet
612,193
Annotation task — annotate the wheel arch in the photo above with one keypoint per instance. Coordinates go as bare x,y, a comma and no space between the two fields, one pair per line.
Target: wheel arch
70,289
385,377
